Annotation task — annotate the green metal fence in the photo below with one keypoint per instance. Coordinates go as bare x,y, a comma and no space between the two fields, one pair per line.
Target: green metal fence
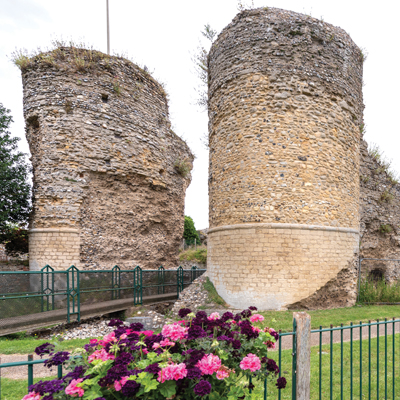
23,293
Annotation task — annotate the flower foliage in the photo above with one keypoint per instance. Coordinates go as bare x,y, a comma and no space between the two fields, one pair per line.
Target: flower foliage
199,357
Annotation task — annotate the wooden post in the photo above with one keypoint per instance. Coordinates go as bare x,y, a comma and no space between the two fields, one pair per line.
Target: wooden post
303,356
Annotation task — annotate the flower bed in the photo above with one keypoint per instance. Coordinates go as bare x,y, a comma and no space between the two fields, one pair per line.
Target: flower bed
200,357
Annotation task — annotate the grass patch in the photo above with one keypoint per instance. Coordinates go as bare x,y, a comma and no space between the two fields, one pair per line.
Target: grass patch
213,296
387,379
13,389
14,344
379,292
199,255
284,319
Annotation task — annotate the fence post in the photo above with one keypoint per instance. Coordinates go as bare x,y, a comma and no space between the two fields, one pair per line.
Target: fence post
137,286
179,280
73,293
303,355
161,280
115,282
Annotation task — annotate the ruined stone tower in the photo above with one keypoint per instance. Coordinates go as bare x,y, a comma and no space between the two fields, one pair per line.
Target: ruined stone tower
285,109
109,175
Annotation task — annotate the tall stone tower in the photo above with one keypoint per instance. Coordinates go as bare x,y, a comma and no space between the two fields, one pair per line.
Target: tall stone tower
109,175
285,109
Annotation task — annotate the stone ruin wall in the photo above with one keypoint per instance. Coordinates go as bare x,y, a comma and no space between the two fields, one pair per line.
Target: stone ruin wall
105,187
379,208
285,110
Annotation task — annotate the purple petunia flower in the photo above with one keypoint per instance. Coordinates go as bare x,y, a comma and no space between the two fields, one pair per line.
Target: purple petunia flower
202,388
115,322
272,366
130,389
252,308
152,369
77,373
48,387
227,315
193,373
136,326
45,348
124,359
195,332
246,313
184,311
281,383
236,344
57,359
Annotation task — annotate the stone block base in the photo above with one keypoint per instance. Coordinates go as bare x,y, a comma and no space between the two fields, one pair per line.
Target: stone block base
59,248
272,266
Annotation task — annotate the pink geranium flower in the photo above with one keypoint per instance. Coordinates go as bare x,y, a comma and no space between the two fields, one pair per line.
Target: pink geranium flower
214,316
32,396
256,318
270,344
74,390
209,364
172,372
167,342
174,331
224,372
101,355
251,362
119,384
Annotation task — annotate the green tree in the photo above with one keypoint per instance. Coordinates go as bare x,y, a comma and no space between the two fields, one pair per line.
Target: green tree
189,231
15,189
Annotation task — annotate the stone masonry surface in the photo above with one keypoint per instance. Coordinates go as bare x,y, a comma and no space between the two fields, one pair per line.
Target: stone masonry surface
285,110
106,189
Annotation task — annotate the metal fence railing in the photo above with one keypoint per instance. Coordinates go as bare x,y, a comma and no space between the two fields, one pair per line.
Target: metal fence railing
24,293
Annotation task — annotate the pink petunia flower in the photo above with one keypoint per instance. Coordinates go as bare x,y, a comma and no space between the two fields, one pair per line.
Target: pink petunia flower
214,316
74,390
209,364
32,396
93,341
251,362
256,318
174,331
172,372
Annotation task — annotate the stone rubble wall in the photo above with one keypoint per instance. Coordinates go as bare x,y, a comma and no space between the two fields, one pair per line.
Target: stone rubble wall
379,207
103,157
285,109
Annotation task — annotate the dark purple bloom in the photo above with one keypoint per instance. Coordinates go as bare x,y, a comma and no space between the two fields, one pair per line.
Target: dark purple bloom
99,398
247,329
227,315
202,315
152,369
223,338
236,344
150,340
272,366
48,387
252,308
193,373
115,373
281,383
130,389
77,373
202,388
136,326
275,335
246,313
264,360
237,317
115,322
45,348
184,311
57,359
120,331
195,332
194,356
124,359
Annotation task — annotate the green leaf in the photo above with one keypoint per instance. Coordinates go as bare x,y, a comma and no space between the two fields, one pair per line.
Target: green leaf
147,380
167,389
143,364
93,393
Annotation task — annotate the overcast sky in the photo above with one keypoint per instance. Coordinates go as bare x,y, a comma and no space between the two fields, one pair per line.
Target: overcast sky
163,35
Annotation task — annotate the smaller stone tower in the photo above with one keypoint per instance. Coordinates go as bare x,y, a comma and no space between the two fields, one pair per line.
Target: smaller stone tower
109,174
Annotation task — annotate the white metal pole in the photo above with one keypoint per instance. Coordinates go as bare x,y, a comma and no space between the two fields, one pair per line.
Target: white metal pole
108,31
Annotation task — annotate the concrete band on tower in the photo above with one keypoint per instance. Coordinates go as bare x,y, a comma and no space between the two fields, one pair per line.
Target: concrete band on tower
109,174
285,109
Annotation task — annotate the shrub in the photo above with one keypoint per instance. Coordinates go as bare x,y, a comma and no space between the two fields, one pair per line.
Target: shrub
16,241
189,231
199,357
386,196
199,255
